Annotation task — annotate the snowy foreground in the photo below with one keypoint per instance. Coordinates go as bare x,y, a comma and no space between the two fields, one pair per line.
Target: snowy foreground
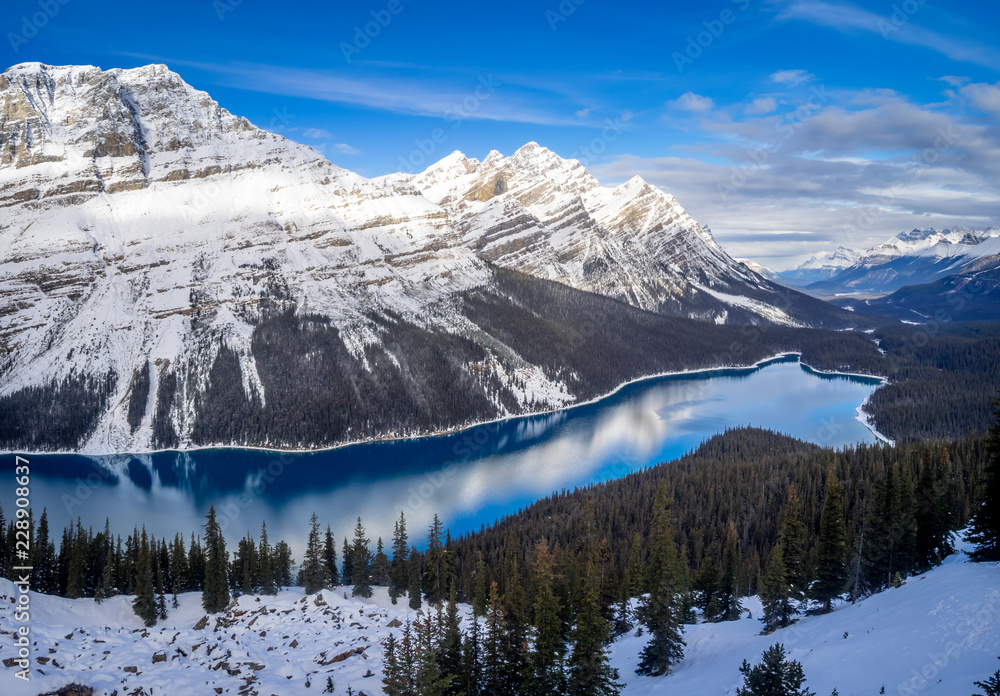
935,635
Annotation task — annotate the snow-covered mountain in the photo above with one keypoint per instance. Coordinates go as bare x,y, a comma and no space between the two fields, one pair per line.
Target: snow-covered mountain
821,267
147,233
913,258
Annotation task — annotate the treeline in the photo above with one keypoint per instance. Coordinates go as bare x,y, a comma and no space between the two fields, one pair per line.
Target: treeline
750,511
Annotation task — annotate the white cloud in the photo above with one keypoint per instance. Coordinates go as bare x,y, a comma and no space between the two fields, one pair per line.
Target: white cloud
792,77
954,80
583,113
689,101
317,133
346,149
848,18
762,105
985,97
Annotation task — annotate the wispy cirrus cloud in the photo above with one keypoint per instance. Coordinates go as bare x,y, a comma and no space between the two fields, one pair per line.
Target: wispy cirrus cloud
845,17
792,78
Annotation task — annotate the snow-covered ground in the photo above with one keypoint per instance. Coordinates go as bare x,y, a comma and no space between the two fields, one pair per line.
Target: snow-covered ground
935,635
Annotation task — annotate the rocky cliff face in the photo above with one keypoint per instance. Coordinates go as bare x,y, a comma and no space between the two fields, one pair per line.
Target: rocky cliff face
146,234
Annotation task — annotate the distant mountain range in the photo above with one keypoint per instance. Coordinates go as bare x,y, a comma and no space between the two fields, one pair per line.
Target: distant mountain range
917,257
173,275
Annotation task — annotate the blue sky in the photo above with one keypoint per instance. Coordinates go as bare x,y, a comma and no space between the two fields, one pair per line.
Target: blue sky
787,126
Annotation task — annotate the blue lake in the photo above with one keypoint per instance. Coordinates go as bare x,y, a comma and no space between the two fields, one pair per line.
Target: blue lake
468,478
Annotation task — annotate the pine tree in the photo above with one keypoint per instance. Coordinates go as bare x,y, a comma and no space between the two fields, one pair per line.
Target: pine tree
380,565
984,531
660,611
792,538
831,547
144,604
480,587
496,673
361,560
268,580
398,569
330,559
990,686
730,588
283,564
773,676
545,668
631,586
931,517
394,682
433,583
706,585
215,595
196,565
588,670
42,579
414,579
472,664
348,563
77,563
775,593
449,654
161,597
315,576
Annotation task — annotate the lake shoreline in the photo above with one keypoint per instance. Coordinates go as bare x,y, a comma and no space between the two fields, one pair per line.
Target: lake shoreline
764,362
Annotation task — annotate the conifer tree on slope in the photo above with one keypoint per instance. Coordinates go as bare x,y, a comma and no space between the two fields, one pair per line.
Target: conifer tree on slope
144,603
774,593
215,595
589,672
315,576
831,547
730,589
361,559
985,529
793,546
398,569
268,579
660,611
330,558
545,670
774,675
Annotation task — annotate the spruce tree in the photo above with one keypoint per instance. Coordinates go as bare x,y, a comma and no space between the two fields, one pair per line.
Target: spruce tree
545,668
433,583
731,586
496,673
144,604
268,579
792,538
660,611
361,562
775,593
932,517
831,547
774,675
472,663
348,563
330,558
984,531
380,565
398,568
315,576
706,585
449,653
415,577
589,672
215,595
991,685
631,586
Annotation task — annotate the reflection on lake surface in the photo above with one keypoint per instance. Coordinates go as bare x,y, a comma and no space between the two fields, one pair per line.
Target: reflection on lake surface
468,478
